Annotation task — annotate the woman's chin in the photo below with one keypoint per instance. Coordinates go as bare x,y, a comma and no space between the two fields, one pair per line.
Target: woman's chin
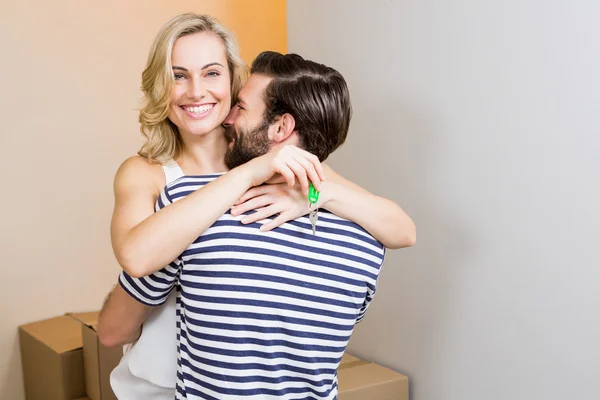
204,130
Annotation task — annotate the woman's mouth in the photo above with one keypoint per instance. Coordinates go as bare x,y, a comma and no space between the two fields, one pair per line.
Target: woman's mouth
197,111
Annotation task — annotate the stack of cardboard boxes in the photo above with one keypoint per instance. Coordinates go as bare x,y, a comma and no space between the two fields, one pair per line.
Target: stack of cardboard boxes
64,360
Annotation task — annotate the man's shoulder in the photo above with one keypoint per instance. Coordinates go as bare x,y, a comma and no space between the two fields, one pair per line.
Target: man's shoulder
335,236
341,227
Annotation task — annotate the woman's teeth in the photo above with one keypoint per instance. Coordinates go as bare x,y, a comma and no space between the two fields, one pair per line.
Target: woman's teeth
199,109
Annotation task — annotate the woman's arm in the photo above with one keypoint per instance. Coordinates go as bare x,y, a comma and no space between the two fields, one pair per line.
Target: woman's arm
382,218
145,241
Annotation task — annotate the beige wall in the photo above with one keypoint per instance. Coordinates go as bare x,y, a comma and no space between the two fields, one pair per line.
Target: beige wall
69,77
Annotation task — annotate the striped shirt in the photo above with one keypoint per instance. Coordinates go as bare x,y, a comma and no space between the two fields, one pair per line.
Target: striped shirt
263,315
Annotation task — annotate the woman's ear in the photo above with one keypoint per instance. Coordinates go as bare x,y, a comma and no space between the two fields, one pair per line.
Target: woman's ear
283,128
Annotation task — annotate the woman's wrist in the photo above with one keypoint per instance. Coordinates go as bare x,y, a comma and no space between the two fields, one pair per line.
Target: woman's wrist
241,176
329,193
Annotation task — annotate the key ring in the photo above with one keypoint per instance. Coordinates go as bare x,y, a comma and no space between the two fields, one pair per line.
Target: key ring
313,197
313,194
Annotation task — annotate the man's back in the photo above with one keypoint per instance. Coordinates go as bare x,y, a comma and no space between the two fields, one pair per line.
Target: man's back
265,314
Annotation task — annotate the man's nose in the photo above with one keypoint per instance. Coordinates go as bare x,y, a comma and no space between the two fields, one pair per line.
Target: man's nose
230,117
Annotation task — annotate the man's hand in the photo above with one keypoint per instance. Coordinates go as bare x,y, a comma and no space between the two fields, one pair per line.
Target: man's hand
292,163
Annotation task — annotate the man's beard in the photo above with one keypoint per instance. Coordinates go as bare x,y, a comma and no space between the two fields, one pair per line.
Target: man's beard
247,145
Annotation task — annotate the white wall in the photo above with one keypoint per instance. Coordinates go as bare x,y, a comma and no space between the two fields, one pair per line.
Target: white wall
481,118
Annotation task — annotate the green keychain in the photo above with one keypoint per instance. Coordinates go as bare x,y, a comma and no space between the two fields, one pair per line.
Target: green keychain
313,198
313,194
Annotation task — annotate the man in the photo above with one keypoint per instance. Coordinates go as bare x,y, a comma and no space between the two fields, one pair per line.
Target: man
266,314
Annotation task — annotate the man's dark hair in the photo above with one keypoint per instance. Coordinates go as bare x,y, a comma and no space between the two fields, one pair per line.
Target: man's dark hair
314,94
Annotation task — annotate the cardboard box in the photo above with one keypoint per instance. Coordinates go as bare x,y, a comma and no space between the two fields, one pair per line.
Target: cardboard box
98,360
349,361
52,356
363,380
64,360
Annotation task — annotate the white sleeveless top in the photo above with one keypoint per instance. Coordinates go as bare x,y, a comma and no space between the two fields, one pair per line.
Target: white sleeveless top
148,369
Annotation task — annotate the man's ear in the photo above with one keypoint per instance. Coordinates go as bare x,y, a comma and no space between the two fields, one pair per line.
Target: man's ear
283,128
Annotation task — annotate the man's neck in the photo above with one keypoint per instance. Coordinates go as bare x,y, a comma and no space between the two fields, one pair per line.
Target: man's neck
292,140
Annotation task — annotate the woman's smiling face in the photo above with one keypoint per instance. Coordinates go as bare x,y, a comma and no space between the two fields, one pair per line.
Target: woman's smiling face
201,94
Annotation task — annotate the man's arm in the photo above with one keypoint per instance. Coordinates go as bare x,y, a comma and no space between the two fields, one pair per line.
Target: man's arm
131,301
121,318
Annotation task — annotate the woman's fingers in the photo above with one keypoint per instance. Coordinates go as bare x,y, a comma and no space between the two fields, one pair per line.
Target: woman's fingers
314,160
285,171
252,204
311,172
260,214
280,220
258,191
300,173
289,158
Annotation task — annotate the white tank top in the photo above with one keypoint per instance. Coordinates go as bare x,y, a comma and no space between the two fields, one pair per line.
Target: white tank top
148,369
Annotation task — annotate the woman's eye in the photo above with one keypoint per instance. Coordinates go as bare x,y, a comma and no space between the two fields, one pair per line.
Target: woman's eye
179,76
239,106
213,73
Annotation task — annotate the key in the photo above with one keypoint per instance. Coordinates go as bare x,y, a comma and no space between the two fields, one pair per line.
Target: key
314,217
313,198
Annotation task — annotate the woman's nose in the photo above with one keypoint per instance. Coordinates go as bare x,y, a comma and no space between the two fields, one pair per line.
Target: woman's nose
196,89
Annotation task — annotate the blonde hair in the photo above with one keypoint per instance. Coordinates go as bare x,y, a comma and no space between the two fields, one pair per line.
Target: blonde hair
163,141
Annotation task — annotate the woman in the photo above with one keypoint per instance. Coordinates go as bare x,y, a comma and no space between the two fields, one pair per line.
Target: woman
191,80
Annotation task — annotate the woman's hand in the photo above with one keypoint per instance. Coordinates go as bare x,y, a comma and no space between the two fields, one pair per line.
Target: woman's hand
271,199
291,162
